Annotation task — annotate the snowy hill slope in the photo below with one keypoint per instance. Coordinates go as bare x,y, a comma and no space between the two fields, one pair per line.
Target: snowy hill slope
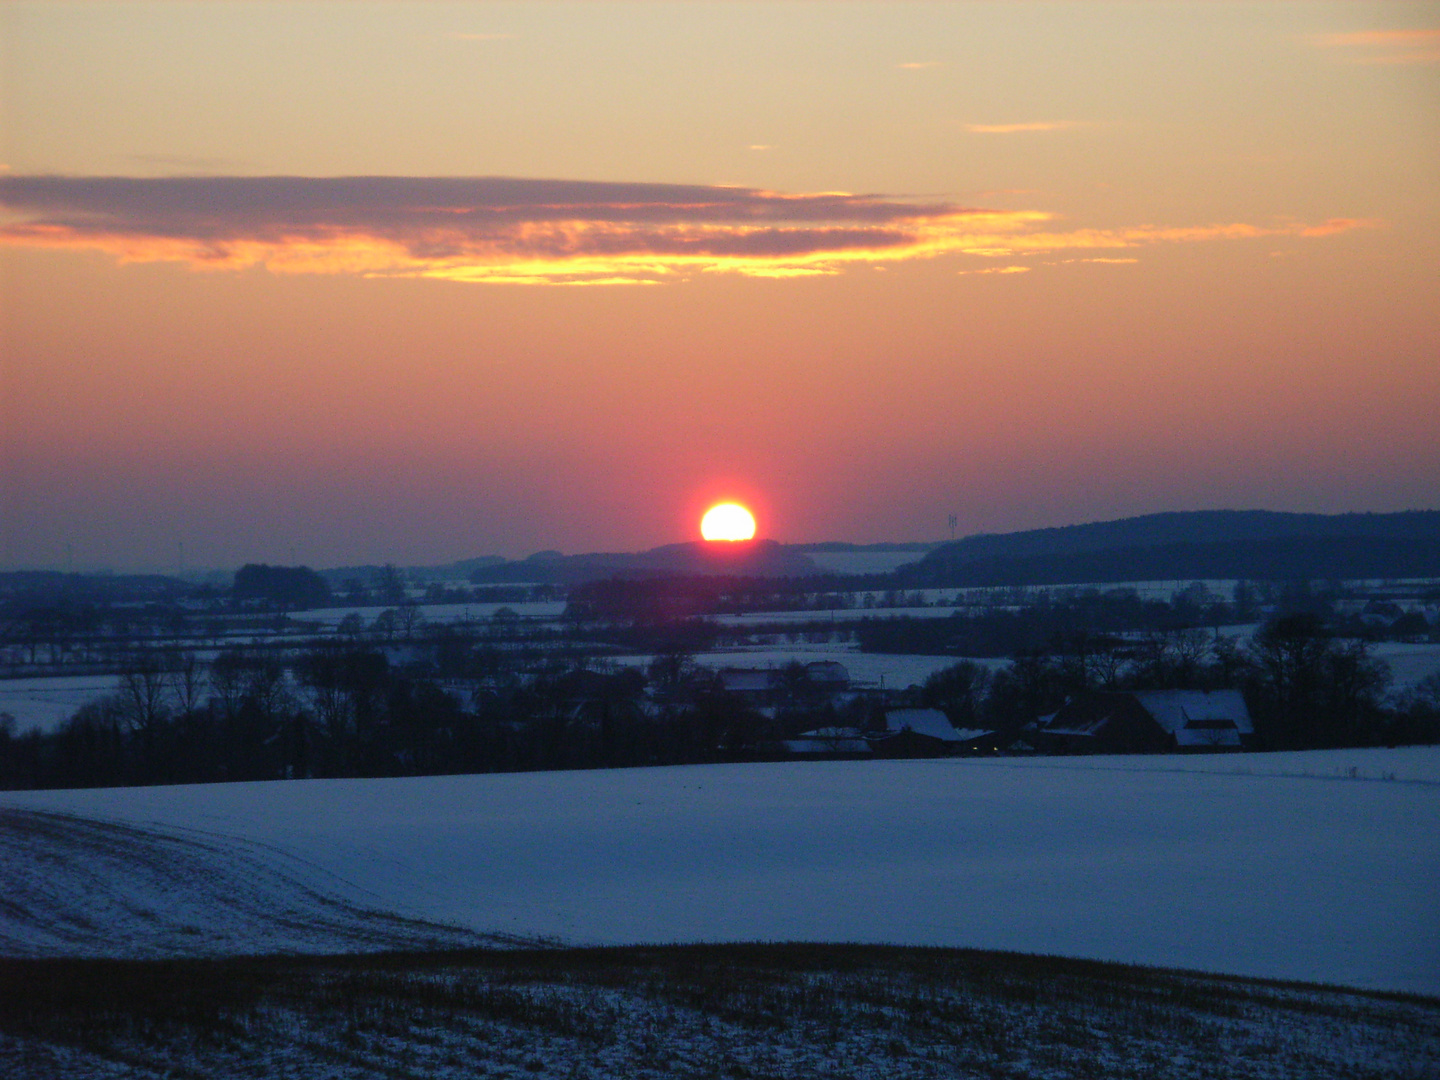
76,887
1320,866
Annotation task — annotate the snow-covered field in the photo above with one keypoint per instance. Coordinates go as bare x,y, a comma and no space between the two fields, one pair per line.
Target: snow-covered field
837,615
1321,866
46,703
875,669
78,887
436,613
1408,663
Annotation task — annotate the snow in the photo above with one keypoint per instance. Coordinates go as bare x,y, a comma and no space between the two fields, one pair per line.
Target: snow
756,619
46,703
829,740
876,669
1409,664
1313,866
79,887
436,613
930,722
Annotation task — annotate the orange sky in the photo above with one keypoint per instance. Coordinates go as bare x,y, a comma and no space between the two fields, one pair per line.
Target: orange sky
861,265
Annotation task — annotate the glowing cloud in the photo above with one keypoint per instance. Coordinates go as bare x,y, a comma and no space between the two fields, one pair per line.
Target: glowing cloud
1388,46
501,230
1014,129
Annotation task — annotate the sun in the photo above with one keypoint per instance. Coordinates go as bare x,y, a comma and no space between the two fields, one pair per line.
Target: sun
727,521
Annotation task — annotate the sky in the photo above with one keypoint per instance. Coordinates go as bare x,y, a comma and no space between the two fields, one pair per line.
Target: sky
336,283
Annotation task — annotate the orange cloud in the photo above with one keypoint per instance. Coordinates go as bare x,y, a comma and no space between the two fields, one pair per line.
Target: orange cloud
499,230
998,270
1420,46
1012,129
1339,225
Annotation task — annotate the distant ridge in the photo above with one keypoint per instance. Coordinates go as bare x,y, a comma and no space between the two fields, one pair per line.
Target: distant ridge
838,547
49,587
746,558
1260,545
1253,544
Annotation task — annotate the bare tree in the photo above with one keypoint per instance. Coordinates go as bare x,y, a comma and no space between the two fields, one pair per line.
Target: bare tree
410,619
187,682
142,687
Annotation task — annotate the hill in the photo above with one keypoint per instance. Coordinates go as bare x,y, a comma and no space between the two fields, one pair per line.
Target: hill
749,558
1253,544
1248,864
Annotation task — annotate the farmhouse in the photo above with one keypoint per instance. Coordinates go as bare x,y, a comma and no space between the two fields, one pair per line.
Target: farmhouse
753,684
1149,721
828,675
919,733
771,685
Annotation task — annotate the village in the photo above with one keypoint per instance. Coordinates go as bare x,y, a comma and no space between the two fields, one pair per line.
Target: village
156,681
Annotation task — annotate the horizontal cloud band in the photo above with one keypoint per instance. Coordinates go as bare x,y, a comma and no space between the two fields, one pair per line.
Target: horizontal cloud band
534,231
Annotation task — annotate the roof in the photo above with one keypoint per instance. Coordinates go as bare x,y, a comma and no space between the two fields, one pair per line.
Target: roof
827,671
966,734
741,680
1199,717
930,722
1184,719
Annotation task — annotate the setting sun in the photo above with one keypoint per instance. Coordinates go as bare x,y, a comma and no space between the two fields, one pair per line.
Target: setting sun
727,521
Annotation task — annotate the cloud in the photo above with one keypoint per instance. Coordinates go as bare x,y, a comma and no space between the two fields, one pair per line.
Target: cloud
918,65
494,229
1339,225
1012,129
1419,46
1148,235
997,270
483,37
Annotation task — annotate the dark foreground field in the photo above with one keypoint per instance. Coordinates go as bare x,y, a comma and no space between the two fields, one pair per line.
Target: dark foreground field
693,1011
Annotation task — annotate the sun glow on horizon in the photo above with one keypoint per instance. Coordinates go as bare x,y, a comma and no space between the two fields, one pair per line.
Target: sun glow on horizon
727,521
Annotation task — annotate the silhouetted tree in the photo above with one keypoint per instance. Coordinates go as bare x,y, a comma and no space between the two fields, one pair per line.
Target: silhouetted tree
284,586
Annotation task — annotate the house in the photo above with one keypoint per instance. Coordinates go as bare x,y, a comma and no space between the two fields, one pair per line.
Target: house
769,686
1148,721
828,675
918,733
755,685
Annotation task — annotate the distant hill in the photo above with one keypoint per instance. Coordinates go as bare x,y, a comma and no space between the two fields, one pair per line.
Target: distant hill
1254,544
835,547
749,558
46,588
368,574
